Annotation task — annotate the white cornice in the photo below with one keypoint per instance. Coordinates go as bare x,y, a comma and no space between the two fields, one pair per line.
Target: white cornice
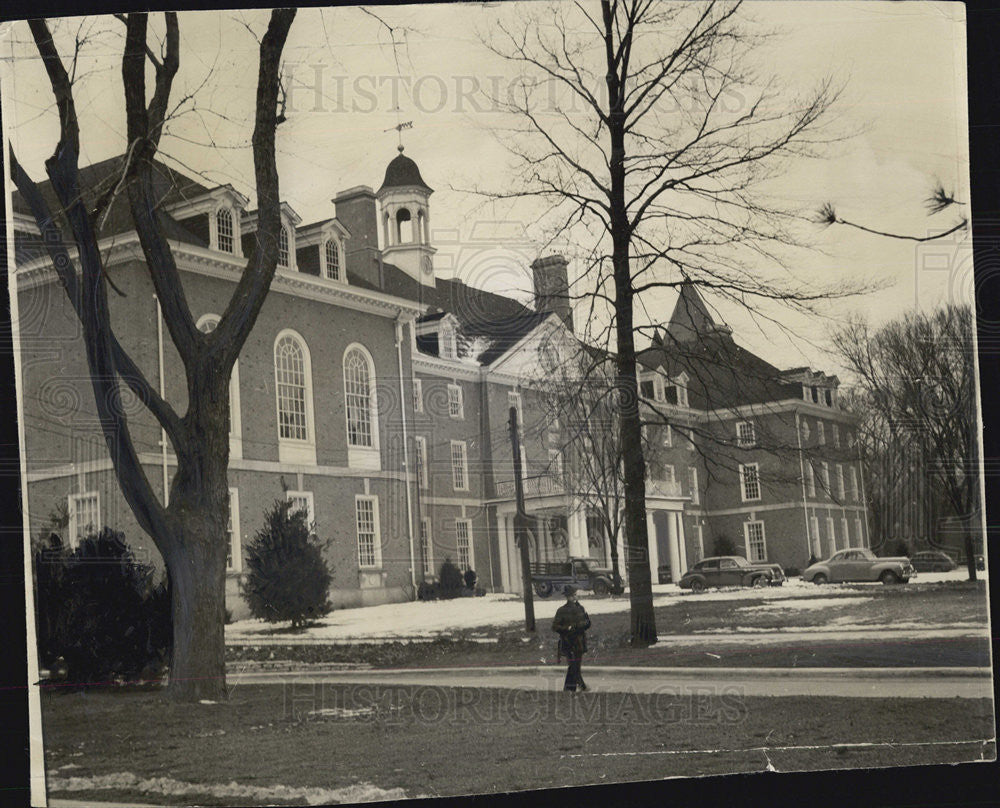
203,261
316,233
207,202
445,368
784,405
25,223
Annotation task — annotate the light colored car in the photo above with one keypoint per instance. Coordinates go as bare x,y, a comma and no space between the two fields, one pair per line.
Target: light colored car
860,564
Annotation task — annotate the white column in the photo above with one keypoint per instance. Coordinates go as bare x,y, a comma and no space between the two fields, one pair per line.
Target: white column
675,556
681,543
654,550
622,564
577,526
503,537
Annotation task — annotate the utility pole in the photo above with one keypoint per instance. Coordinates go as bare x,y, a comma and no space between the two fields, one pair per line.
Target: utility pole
521,524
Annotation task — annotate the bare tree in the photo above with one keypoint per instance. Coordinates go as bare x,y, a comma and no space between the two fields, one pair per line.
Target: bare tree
646,132
190,531
918,378
939,200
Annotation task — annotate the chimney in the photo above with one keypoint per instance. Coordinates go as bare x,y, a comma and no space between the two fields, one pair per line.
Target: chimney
355,209
552,287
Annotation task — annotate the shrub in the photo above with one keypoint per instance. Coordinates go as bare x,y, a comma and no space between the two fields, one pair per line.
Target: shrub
450,581
287,578
427,590
470,578
99,609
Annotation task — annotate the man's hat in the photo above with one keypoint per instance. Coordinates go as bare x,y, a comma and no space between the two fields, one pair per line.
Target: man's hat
569,590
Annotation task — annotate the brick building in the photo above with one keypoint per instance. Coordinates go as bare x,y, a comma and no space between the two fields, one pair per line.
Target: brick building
375,394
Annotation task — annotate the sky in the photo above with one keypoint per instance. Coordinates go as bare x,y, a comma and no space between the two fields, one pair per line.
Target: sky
904,106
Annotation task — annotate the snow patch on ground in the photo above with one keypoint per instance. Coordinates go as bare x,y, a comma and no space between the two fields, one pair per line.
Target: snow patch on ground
360,792
806,604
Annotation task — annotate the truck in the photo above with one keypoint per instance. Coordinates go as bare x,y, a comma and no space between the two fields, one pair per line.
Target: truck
554,576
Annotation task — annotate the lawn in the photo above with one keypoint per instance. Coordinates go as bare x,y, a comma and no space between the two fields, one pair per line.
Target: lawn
866,616
282,745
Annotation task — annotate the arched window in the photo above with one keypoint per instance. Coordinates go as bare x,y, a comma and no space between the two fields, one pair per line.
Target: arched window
359,397
291,388
404,226
224,229
283,258
333,260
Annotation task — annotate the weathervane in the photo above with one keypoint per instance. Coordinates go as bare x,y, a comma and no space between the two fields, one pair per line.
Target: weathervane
399,127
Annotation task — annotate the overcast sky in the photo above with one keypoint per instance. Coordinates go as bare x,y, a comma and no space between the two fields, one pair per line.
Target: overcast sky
905,97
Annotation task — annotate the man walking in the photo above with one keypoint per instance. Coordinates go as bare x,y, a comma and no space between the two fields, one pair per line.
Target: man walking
571,624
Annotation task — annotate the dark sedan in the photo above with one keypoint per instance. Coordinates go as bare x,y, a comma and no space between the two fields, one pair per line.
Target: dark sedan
730,571
932,561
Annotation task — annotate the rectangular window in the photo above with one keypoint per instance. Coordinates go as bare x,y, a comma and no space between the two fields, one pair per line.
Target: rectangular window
817,548
668,474
647,389
459,465
845,532
224,225
824,468
840,482
463,543
829,397
820,433
366,517
302,501
805,393
756,546
699,549
426,551
456,407
831,536
746,434
283,251
418,395
852,477
448,348
859,533
693,480
234,556
749,482
810,479
835,435
420,459
84,516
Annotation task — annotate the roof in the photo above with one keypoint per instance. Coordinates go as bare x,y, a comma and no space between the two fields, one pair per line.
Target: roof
402,172
100,178
691,319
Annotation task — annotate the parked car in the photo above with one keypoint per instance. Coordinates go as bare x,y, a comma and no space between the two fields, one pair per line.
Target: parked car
554,576
860,564
730,571
933,561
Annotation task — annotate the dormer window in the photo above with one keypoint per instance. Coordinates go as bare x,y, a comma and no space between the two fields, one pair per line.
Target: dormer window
224,229
448,346
676,393
331,253
283,251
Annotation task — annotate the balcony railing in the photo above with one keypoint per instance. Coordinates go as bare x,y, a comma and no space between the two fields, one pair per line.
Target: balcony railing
533,487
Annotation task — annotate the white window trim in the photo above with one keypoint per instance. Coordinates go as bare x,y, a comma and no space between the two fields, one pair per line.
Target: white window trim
465,464
236,541
846,531
213,229
841,491
810,478
668,437
852,476
515,400
377,528
669,473
746,540
825,474
742,442
835,436
418,395
832,537
743,487
817,542
693,480
859,530
293,265
74,529
362,457
461,402
421,462
324,264
821,433
472,544
292,450
428,561
308,497
447,336
235,416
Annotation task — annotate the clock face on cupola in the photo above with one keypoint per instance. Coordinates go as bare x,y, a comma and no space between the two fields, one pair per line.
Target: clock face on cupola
428,265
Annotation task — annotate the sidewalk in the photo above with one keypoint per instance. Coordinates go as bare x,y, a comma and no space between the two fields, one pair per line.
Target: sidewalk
880,683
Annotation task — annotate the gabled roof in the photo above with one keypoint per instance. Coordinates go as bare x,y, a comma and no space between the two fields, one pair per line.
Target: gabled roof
691,319
97,180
